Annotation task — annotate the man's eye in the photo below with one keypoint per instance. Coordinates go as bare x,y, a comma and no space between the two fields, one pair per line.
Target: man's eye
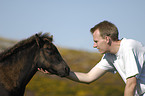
95,41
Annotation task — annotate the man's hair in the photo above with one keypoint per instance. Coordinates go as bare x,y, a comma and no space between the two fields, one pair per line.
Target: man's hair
106,29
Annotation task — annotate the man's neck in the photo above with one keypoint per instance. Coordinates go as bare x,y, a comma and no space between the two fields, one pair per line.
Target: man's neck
114,48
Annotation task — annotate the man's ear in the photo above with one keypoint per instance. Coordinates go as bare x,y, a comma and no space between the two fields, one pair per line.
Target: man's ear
108,40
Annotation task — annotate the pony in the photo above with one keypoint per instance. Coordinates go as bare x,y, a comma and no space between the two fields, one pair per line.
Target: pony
19,63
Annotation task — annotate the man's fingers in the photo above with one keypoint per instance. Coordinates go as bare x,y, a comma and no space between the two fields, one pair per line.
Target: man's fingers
44,71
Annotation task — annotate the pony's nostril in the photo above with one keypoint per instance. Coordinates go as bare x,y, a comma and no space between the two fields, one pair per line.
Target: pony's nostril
67,69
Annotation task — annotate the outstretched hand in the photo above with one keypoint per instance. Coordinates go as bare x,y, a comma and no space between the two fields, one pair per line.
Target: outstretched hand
44,71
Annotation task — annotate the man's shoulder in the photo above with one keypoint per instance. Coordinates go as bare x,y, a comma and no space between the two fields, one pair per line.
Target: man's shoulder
130,43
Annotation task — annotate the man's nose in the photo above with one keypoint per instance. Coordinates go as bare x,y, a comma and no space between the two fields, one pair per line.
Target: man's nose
95,45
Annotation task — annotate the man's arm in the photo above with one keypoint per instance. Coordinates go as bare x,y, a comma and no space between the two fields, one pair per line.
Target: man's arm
130,87
87,78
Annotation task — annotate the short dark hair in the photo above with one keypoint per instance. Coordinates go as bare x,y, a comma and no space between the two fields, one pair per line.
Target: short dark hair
106,28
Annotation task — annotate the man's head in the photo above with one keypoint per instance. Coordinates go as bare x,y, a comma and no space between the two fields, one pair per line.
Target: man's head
106,29
104,34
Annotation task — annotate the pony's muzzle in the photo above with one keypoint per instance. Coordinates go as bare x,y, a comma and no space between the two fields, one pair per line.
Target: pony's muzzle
65,73
67,70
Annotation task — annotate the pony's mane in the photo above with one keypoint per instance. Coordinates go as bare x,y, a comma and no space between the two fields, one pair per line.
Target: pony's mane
23,44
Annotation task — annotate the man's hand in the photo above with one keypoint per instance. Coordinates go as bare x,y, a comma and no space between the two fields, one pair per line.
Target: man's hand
44,71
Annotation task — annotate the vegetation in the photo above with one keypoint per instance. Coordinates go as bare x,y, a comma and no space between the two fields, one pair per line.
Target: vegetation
46,85
4,43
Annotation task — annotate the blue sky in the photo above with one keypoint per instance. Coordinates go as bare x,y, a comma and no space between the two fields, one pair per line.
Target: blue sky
69,21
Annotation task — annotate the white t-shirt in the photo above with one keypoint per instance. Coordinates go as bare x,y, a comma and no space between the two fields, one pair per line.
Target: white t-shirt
129,61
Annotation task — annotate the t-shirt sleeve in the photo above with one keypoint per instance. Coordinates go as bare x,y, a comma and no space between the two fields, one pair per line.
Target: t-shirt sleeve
105,65
131,64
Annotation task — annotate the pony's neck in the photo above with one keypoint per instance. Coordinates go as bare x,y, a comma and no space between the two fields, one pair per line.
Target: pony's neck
29,66
17,70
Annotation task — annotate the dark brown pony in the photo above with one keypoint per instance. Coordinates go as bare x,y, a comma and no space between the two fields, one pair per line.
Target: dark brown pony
19,63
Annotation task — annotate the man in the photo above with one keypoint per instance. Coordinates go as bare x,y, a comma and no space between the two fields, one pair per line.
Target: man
125,56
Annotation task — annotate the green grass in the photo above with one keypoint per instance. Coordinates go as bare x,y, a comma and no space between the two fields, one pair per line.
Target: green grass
46,85
82,61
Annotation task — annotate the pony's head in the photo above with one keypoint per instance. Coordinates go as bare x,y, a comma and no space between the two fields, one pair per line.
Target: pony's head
48,57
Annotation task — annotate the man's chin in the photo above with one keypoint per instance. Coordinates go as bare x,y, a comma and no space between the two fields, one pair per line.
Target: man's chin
102,52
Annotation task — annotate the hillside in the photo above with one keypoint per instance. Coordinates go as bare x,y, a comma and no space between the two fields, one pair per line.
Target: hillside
5,43
82,61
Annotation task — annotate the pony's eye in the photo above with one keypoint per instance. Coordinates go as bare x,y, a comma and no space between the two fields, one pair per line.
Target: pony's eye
49,52
47,48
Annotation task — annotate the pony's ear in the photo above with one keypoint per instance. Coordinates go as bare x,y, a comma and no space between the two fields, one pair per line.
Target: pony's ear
39,41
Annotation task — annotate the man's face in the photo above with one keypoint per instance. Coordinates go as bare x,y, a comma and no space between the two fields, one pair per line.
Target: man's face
100,43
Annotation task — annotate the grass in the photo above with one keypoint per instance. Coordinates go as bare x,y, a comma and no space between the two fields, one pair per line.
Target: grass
82,61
